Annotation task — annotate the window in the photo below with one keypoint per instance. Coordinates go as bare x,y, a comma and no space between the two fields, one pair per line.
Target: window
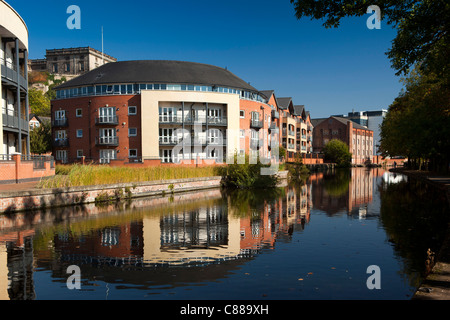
81,66
80,133
79,113
60,114
242,114
61,155
67,67
79,153
132,111
132,153
132,132
242,134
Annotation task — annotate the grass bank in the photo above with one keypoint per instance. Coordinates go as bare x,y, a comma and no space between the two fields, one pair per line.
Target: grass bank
89,175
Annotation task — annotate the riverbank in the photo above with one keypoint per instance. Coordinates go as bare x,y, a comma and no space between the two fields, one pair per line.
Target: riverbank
436,286
18,200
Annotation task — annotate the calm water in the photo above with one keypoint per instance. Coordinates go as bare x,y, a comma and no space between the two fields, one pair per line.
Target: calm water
308,241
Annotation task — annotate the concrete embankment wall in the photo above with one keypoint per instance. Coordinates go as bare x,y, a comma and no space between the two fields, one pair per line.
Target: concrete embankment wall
48,198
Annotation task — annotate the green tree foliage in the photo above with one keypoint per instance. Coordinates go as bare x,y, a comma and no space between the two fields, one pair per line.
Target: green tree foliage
297,171
337,152
246,175
52,84
422,27
41,139
417,123
39,103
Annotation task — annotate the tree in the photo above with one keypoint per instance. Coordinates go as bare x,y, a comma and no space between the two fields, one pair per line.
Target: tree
337,152
41,139
39,103
416,124
422,25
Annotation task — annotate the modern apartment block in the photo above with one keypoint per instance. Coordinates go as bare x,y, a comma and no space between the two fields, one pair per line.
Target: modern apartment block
357,137
370,119
14,127
70,62
161,111
165,112
296,127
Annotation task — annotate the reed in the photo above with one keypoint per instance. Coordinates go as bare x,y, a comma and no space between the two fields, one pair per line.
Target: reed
88,175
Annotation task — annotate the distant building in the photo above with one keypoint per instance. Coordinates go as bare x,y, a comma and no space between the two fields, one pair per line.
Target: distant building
70,62
358,138
371,120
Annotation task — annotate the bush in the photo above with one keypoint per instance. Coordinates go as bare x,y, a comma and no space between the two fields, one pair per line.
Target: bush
337,152
246,176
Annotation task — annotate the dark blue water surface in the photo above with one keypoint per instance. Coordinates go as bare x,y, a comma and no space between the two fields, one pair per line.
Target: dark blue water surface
312,240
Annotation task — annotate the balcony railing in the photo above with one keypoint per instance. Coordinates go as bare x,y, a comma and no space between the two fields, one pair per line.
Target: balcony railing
275,114
12,120
292,133
169,141
217,121
61,143
256,124
107,120
60,123
8,72
107,141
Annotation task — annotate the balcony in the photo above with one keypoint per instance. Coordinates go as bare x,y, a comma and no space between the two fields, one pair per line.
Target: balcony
275,114
107,141
10,74
256,124
12,120
217,141
61,143
169,141
254,144
291,133
107,120
217,121
60,123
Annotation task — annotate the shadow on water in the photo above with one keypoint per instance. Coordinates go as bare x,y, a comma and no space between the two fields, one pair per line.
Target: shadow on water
415,216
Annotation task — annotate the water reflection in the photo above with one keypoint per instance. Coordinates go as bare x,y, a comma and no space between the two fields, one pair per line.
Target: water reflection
200,237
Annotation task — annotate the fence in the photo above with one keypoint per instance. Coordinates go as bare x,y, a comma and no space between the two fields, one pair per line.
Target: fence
19,168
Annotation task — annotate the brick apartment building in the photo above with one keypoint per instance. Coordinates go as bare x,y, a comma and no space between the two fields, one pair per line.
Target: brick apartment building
166,112
357,137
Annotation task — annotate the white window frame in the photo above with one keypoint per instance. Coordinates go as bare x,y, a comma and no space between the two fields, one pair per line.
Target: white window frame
79,115
132,113
130,134
132,156
78,133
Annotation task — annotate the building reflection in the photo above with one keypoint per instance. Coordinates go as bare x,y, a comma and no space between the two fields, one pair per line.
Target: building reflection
349,191
195,229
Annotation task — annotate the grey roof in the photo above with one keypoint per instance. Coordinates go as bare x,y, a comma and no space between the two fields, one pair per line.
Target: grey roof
316,122
298,110
159,71
355,125
283,103
267,93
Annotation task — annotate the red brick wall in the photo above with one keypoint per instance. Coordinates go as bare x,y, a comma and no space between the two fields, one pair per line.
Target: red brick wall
250,106
91,131
23,171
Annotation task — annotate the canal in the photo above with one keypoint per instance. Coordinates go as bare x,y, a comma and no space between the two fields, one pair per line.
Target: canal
313,240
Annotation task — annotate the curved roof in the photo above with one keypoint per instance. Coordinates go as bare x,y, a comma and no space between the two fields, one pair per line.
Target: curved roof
159,71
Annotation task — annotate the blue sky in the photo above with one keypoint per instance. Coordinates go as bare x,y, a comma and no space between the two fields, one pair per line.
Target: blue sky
330,71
